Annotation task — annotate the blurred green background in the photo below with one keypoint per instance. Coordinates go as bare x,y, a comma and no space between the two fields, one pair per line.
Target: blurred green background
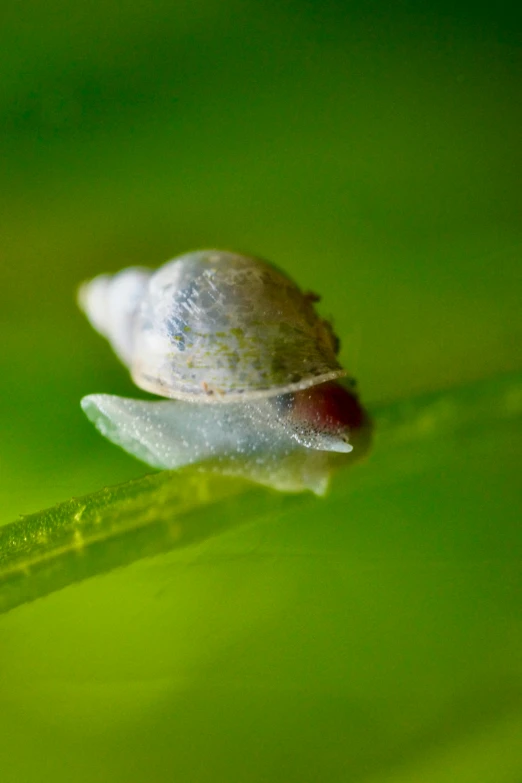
373,151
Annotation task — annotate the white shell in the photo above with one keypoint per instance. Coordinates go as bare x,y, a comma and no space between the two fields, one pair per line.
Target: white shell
213,326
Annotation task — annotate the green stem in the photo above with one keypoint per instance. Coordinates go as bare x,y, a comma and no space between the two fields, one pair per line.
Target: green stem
83,537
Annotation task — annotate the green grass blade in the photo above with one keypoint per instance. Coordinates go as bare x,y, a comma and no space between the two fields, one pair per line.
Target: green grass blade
83,537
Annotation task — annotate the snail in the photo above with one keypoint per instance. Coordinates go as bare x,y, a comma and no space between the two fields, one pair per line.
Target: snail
249,370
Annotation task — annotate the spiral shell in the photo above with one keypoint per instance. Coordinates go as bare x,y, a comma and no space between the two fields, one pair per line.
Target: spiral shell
213,326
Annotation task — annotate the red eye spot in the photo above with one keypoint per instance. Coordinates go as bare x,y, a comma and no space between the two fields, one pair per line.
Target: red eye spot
330,406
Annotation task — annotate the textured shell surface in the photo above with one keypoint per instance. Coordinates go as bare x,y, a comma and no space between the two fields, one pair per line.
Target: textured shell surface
216,326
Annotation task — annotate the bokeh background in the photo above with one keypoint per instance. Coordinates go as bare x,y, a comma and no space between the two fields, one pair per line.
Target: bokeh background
372,150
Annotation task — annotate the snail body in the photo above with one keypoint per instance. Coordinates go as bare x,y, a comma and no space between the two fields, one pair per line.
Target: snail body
248,367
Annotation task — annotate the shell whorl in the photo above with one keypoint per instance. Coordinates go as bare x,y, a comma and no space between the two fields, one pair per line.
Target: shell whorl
110,303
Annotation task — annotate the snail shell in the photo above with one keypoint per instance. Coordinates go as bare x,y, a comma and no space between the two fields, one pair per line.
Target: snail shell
213,326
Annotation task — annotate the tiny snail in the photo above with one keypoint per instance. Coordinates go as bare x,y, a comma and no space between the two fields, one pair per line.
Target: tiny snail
249,370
